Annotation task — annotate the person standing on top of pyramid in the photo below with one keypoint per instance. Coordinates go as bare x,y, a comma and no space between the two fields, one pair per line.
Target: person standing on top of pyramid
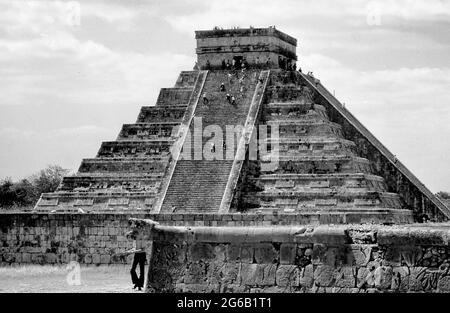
205,99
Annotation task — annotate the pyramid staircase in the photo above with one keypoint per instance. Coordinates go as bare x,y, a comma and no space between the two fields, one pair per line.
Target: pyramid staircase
198,185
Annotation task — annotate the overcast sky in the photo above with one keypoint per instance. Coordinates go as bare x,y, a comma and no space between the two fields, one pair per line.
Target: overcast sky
71,73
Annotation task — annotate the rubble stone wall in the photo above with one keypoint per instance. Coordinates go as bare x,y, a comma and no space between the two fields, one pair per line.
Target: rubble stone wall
347,258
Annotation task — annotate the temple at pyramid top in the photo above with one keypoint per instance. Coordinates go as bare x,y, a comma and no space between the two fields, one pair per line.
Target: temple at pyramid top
259,47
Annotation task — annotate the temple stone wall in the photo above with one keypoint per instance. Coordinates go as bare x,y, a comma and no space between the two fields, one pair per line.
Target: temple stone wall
55,238
350,258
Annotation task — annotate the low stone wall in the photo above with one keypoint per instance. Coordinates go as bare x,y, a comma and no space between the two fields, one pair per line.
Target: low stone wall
346,258
61,238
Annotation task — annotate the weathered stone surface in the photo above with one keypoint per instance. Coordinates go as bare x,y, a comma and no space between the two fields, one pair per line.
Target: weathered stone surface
346,277
423,279
247,253
365,278
288,253
443,284
359,255
288,276
266,253
306,276
196,273
324,276
258,274
400,278
383,277
200,251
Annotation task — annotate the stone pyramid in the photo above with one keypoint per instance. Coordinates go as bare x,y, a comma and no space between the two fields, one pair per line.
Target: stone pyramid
328,167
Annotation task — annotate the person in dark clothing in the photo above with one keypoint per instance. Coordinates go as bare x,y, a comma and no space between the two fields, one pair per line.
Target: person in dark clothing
228,97
224,65
205,99
222,87
139,259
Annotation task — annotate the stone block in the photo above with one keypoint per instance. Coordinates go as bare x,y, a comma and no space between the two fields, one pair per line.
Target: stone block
346,277
306,276
200,251
400,278
220,253
87,259
288,252
26,258
247,253
233,253
196,273
258,274
233,288
359,255
105,259
324,276
365,278
443,284
288,276
383,277
265,253
96,258
423,279
51,258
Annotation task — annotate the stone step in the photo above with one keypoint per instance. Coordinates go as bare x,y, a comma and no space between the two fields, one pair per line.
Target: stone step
319,181
174,96
151,114
135,148
148,131
120,165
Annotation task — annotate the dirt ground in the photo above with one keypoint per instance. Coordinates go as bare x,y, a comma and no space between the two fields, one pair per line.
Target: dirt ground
65,279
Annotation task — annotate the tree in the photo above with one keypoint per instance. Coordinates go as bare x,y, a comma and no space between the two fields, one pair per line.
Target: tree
26,192
48,179
7,195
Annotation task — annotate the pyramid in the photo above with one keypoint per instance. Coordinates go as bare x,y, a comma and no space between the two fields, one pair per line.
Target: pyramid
319,160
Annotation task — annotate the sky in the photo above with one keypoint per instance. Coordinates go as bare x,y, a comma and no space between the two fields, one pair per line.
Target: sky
72,72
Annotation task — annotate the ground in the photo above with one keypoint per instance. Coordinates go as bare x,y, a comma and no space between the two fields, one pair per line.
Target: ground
48,278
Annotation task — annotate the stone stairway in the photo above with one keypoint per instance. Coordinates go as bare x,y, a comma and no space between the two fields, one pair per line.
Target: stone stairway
199,185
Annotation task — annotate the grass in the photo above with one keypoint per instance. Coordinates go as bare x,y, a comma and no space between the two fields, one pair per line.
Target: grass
51,279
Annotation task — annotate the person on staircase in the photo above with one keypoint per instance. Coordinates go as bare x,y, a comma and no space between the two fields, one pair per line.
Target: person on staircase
222,87
233,100
205,99
228,97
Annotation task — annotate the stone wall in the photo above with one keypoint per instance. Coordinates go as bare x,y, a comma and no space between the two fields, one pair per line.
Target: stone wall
50,238
347,258
61,238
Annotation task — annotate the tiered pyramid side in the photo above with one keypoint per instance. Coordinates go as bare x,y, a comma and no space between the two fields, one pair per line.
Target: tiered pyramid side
326,164
127,174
